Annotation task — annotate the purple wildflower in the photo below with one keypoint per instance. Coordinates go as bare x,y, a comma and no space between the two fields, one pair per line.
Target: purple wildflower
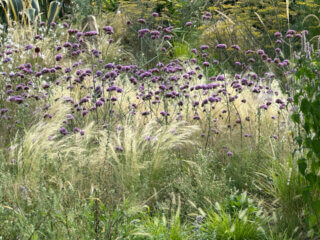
63,131
108,29
142,21
58,57
204,47
230,154
119,149
206,64
236,47
221,46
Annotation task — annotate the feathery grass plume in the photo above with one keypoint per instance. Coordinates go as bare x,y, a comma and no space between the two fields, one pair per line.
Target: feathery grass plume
43,147
142,148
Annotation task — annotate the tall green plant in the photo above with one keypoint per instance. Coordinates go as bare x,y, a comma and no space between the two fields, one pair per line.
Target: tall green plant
307,118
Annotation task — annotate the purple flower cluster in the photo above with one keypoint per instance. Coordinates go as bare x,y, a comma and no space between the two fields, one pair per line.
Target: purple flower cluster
176,90
108,30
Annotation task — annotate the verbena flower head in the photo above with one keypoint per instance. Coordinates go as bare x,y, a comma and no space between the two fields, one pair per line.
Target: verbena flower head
119,149
58,57
292,32
260,51
215,62
278,34
236,47
108,30
90,33
230,154
221,46
155,14
63,131
72,31
142,21
156,34
264,106
204,47
142,32
207,16
206,64
28,47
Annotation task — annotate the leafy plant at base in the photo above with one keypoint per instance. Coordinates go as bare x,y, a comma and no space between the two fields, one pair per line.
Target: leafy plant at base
237,219
163,228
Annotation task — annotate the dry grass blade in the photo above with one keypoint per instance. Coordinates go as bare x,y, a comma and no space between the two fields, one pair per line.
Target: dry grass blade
265,27
288,12
224,15
311,16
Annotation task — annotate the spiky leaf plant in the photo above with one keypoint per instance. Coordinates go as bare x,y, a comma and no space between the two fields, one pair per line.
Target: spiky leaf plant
53,11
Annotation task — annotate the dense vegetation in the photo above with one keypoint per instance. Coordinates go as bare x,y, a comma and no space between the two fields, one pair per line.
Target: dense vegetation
159,119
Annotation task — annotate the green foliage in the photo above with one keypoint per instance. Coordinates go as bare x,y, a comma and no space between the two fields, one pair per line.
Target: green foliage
31,10
111,5
52,219
281,180
13,7
237,219
31,14
35,5
307,116
53,11
163,228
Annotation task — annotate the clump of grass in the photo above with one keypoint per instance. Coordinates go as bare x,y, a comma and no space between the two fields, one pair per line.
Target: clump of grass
163,227
238,218
142,151
283,183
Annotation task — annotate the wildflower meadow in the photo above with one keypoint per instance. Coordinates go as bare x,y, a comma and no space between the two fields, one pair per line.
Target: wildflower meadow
164,120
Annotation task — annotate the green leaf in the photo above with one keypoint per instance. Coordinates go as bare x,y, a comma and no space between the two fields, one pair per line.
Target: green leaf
296,117
53,11
305,106
315,145
302,165
16,6
31,14
35,5
312,178
306,194
316,206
